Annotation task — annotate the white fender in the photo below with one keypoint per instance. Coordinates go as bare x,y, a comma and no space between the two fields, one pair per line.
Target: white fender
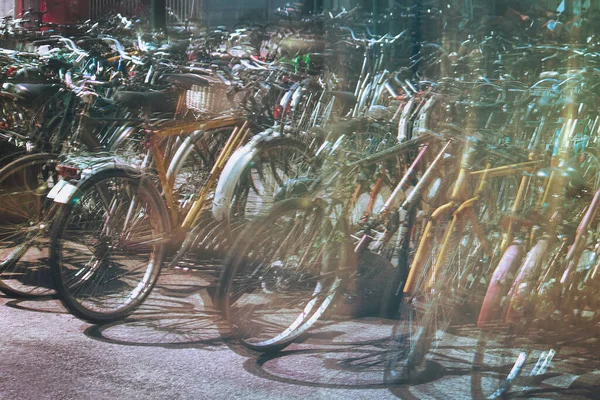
425,113
181,154
231,174
405,120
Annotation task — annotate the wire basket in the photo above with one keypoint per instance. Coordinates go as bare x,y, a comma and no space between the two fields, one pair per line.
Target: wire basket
211,99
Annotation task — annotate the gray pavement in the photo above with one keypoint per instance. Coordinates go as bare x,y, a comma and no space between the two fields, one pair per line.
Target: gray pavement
174,347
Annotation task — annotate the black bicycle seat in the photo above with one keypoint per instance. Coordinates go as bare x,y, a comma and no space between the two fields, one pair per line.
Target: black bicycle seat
35,91
186,80
155,101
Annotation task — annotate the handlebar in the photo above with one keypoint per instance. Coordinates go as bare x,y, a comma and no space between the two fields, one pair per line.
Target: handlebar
121,50
387,38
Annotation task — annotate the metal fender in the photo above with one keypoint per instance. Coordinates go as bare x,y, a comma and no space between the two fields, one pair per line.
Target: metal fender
522,286
231,174
404,123
182,152
500,284
423,116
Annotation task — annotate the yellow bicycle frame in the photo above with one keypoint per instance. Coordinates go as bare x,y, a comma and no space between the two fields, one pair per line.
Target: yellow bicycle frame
235,140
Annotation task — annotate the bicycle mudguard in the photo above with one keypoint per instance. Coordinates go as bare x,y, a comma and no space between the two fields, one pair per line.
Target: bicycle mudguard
64,191
523,283
403,125
500,284
230,175
238,164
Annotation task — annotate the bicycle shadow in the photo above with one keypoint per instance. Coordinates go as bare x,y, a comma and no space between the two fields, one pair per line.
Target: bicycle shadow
44,304
175,315
573,371
343,355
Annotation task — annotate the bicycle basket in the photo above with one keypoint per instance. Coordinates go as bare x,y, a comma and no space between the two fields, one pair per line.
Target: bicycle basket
211,99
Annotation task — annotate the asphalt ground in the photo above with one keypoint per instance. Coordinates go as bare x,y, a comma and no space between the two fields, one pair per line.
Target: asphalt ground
176,347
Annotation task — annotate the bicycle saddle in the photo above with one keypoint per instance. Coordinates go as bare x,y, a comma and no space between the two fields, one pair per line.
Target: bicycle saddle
155,101
186,80
35,91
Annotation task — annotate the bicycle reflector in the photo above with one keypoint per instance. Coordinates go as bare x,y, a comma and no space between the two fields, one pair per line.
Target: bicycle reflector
68,172
277,111
11,71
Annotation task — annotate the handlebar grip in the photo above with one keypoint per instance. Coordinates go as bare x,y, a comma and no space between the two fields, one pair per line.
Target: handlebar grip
45,41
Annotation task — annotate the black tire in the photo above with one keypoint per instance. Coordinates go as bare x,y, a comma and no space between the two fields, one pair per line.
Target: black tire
407,237
25,214
270,304
90,266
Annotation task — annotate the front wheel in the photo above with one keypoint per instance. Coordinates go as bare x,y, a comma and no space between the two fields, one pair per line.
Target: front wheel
108,245
282,274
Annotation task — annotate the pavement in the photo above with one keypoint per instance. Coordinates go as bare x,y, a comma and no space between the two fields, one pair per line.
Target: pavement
176,347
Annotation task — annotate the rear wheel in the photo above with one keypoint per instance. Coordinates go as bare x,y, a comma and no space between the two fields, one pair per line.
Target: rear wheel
108,245
24,219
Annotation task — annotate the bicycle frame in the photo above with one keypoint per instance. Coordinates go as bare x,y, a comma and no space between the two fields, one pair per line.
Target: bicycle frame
240,131
458,208
580,241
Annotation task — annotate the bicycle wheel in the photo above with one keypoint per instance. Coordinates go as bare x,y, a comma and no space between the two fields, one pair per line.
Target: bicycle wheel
426,313
108,245
282,274
24,218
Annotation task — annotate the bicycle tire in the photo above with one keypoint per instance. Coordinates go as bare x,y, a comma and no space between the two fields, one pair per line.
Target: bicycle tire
81,275
24,185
